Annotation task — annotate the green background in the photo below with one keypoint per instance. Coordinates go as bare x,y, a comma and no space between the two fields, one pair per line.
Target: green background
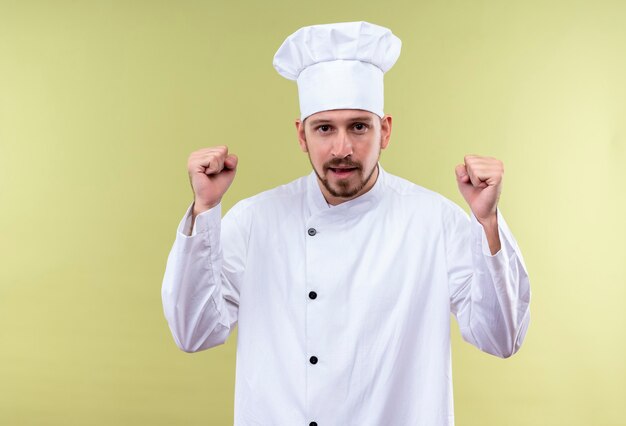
101,103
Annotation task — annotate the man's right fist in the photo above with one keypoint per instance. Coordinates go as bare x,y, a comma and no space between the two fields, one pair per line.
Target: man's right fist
211,171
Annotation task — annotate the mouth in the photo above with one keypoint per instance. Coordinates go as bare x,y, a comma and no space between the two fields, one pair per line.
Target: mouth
342,172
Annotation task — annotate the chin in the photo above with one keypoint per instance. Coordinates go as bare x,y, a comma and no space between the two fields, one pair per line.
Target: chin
345,191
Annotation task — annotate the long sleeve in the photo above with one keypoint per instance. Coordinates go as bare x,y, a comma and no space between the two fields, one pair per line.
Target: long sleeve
200,290
489,294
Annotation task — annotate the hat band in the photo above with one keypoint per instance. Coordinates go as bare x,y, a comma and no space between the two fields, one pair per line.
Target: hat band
340,84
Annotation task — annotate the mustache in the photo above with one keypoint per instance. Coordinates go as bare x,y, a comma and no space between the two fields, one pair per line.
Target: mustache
342,162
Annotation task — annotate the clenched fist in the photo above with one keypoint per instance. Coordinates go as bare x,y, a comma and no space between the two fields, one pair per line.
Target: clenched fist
211,171
480,183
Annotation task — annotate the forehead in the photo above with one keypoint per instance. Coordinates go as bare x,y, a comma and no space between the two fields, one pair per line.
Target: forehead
341,115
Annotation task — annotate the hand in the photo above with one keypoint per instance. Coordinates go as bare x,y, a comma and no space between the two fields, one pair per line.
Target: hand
211,171
480,183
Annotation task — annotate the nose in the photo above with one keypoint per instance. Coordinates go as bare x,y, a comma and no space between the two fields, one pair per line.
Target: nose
342,145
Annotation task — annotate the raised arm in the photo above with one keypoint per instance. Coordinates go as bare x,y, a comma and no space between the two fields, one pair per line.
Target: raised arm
489,285
200,290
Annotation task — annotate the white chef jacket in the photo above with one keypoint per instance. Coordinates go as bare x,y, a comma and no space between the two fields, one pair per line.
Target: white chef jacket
344,311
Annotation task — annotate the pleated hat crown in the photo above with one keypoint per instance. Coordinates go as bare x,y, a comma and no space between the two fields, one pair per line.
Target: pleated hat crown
339,66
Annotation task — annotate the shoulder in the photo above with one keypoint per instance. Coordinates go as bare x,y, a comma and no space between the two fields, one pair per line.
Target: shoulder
406,191
274,199
420,203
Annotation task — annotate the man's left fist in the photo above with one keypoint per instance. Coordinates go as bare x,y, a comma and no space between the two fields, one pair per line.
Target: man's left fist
480,183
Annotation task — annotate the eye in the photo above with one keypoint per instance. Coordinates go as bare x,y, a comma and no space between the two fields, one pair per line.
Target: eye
360,127
324,128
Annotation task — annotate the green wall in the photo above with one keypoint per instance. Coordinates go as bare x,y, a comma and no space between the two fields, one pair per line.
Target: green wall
101,102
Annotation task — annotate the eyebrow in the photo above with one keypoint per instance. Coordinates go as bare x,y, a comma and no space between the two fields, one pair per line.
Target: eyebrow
352,120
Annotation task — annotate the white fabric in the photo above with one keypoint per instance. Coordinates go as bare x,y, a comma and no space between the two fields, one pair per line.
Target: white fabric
388,268
338,65
341,85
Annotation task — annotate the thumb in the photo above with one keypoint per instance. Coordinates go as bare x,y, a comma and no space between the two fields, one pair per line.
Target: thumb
231,161
461,174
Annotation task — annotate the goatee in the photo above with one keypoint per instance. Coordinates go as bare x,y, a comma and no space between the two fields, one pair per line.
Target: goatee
343,187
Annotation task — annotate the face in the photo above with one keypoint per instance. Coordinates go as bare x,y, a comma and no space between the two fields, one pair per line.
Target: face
344,147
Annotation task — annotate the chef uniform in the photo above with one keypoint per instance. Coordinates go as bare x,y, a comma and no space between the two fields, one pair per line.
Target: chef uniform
343,311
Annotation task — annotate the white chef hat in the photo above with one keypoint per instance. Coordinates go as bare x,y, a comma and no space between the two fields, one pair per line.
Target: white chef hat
338,66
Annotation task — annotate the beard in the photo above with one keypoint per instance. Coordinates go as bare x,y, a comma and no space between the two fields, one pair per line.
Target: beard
345,188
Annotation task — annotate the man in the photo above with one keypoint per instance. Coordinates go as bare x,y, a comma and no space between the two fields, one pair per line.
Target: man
342,282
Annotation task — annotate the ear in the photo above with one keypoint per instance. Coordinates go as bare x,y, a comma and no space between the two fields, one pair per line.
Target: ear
301,135
385,130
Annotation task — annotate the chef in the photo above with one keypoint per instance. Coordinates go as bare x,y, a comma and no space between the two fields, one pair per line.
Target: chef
342,282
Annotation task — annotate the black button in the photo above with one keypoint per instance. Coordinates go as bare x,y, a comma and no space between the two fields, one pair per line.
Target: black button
313,360
312,231
313,424
312,295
